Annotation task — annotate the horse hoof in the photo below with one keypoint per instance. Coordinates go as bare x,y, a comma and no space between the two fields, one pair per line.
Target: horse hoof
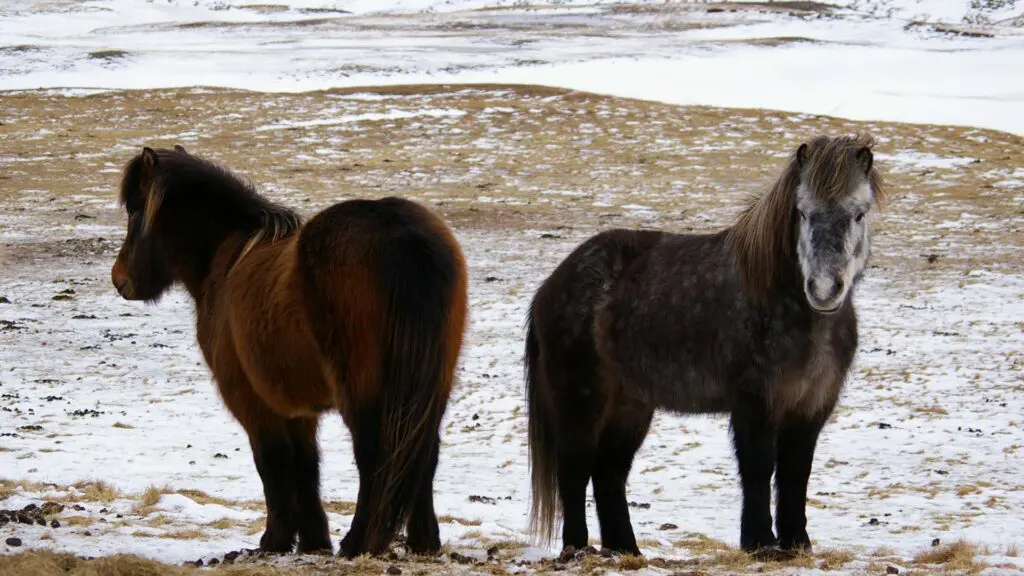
773,554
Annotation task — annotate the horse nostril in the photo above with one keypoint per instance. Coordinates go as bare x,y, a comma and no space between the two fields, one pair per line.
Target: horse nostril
839,286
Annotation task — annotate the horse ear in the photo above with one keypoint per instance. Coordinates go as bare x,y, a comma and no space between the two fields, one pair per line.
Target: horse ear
865,159
801,155
152,194
180,148
148,163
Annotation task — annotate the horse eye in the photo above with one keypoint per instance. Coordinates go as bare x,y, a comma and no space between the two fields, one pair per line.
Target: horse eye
860,216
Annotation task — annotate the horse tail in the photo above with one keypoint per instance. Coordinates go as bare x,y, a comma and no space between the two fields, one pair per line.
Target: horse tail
542,442
424,288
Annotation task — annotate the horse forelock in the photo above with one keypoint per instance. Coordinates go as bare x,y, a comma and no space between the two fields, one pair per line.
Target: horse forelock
832,164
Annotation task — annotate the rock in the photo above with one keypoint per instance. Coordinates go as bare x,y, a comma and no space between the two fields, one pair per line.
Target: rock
456,557
230,557
668,526
493,550
54,523
213,562
394,570
4,300
873,522
892,570
936,542
13,541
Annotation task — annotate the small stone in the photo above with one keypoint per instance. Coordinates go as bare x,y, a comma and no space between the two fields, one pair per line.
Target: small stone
87,533
213,562
936,542
394,570
892,570
873,522
461,559
29,508
493,550
41,521
13,541
668,526
230,557
54,523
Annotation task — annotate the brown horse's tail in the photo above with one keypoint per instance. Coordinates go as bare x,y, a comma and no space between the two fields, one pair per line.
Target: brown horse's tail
542,442
423,283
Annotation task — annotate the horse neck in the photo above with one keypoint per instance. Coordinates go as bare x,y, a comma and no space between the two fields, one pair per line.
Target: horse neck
202,279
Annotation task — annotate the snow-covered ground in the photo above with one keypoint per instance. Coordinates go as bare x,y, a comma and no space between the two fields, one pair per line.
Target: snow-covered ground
899,60
927,442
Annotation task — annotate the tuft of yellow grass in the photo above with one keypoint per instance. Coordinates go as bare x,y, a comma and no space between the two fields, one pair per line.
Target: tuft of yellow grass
835,559
97,491
632,562
224,523
343,507
956,556
148,499
123,425
1012,551
448,519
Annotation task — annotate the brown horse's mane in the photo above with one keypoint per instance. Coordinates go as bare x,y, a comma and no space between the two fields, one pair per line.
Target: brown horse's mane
763,234
184,177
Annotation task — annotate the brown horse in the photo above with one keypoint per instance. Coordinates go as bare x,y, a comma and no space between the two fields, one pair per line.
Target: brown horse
362,309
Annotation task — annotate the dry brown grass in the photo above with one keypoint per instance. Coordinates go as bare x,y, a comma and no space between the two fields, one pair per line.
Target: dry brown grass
959,555
1012,551
225,523
343,507
148,499
448,519
95,491
834,559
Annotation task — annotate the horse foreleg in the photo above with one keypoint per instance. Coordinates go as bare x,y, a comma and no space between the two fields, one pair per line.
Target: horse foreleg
273,453
311,521
796,443
754,441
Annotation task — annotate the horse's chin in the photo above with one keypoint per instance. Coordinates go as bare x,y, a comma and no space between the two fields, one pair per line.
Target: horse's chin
825,310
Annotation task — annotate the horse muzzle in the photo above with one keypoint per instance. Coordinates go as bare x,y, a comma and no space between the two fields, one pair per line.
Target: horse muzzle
122,282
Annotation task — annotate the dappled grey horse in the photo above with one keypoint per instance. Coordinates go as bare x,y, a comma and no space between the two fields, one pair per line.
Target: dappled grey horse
756,320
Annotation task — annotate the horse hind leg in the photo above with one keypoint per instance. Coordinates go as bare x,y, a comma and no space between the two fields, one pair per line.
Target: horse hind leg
312,520
619,441
424,535
365,427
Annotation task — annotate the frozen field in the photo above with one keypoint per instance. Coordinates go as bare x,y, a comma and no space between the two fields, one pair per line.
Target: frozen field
107,410
935,61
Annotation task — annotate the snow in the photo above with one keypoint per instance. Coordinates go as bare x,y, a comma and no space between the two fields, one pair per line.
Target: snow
952,346
872,60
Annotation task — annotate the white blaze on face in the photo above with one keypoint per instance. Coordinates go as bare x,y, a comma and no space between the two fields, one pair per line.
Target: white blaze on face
823,267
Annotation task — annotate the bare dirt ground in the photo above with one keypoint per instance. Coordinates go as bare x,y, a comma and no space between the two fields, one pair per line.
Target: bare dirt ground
925,445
